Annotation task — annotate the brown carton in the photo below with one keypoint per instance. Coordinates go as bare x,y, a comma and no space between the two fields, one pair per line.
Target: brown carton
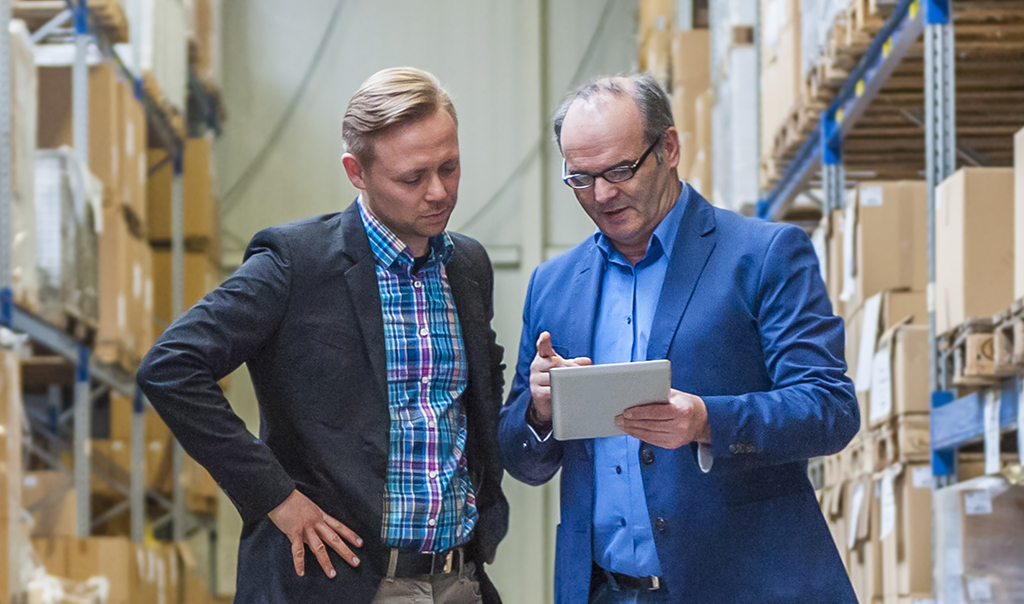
891,239
899,374
199,206
201,277
51,501
906,530
1018,203
691,65
106,557
53,554
132,141
974,245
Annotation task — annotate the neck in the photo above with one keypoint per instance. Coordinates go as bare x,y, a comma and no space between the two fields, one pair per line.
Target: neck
635,253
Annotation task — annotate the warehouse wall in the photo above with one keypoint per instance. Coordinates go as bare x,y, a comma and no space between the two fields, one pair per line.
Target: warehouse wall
506,76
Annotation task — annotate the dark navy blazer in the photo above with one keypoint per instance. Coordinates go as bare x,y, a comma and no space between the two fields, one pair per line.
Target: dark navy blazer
303,312
746,322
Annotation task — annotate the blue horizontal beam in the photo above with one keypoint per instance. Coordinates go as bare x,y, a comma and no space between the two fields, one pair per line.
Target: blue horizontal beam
54,339
962,422
887,50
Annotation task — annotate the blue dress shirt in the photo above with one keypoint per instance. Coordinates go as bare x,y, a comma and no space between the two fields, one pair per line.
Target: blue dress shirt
623,539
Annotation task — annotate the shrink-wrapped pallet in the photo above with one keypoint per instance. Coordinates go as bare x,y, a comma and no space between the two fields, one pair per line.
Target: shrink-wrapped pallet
24,89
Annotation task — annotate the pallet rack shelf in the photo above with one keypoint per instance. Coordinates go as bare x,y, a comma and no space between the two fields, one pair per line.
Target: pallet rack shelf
92,378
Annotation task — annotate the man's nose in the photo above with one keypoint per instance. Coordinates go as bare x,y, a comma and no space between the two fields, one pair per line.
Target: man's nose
435,188
603,190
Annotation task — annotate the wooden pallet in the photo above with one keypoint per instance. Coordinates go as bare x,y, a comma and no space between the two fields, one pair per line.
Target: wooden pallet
108,14
888,140
967,354
1008,344
168,112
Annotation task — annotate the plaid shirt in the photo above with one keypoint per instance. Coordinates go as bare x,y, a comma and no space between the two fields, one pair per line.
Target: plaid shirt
429,504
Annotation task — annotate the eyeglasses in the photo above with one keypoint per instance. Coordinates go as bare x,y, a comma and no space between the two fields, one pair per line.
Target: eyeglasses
584,180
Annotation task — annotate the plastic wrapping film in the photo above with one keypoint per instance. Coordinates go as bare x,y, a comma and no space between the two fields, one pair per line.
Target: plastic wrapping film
24,113
817,18
979,540
68,206
162,33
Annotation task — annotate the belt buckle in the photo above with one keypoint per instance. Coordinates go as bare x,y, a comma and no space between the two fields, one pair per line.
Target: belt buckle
448,562
655,584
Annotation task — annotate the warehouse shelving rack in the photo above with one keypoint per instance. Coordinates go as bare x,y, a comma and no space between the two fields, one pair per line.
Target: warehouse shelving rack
92,379
991,413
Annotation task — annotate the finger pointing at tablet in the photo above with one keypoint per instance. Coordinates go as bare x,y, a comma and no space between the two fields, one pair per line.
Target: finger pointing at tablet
540,378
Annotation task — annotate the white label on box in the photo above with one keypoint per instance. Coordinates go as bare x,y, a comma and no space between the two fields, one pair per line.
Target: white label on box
149,295
855,505
122,312
152,566
881,384
888,504
868,340
849,246
137,281
978,588
31,481
993,405
977,503
871,197
129,139
116,445
921,477
939,195
930,295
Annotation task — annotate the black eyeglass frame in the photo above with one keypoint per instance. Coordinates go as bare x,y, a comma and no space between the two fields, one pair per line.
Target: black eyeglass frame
630,170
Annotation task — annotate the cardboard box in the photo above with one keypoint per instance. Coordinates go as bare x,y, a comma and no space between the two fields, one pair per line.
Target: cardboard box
864,545
201,277
140,306
890,242
899,374
50,498
904,439
656,56
906,532
55,118
200,219
691,62
117,248
1018,196
133,136
682,114
114,457
980,541
103,556
974,245
657,15
781,71
53,554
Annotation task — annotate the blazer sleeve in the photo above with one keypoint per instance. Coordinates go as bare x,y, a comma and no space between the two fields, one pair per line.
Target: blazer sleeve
811,409
526,457
179,375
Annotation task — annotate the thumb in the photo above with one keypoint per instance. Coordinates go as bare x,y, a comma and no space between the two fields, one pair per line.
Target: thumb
583,361
544,348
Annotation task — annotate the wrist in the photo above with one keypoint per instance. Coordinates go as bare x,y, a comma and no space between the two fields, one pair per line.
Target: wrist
534,419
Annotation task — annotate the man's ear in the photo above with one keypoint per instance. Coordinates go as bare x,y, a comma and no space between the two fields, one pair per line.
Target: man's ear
355,171
671,146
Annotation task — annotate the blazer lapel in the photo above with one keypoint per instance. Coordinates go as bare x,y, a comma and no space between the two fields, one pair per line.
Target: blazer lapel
364,293
694,243
581,308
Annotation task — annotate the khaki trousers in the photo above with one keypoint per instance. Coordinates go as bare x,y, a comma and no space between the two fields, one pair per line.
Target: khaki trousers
453,588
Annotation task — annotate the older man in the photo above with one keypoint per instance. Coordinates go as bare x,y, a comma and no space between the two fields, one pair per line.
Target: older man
367,335
705,497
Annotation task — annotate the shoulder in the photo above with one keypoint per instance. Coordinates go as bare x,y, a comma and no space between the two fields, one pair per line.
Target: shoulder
754,234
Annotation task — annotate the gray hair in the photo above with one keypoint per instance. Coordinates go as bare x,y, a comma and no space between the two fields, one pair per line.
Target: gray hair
652,100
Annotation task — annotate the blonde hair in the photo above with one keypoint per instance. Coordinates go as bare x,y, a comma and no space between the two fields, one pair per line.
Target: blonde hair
389,98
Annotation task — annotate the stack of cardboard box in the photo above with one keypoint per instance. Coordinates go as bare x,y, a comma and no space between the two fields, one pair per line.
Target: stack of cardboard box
781,68
10,475
876,275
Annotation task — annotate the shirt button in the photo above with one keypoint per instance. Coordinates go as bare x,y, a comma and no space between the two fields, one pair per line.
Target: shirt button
431,522
660,524
647,456
424,332
618,469
629,320
425,379
622,522
431,424
417,284
433,473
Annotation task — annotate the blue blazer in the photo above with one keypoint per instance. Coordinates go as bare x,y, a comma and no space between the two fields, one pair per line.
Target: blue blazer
746,322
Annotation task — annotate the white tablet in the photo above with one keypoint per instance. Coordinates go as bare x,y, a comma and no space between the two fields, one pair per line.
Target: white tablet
585,400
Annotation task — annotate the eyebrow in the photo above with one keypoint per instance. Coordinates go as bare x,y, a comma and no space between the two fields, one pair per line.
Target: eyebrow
622,164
